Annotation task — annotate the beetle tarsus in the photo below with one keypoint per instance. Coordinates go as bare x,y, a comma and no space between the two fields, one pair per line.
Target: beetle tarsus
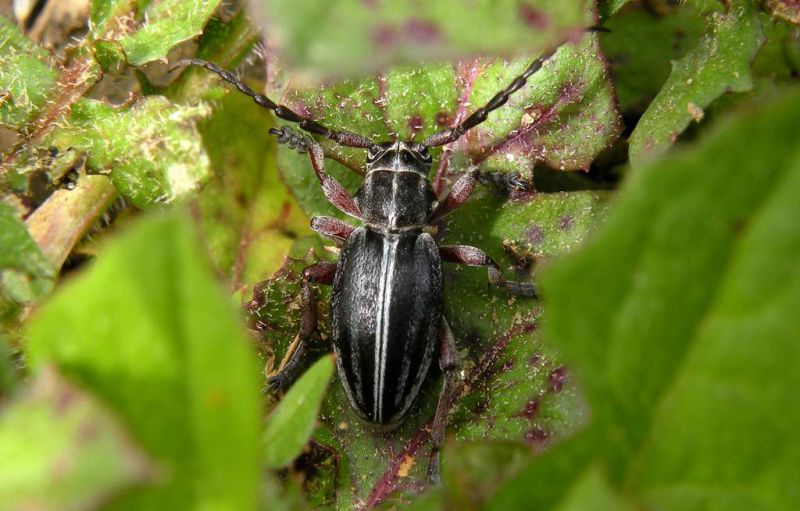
473,256
506,182
292,138
281,380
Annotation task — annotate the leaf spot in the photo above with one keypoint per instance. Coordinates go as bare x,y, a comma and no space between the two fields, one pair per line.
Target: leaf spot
533,17
557,379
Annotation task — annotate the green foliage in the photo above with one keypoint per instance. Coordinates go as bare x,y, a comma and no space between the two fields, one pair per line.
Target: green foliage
249,218
640,48
149,332
61,449
153,150
168,23
656,370
26,77
720,63
786,9
678,320
346,37
8,376
25,273
290,426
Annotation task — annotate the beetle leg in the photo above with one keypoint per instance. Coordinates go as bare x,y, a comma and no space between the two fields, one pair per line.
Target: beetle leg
320,273
334,191
473,256
465,185
447,363
332,228
458,195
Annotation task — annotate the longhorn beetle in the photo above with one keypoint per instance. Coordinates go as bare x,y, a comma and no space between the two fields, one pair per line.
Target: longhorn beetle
386,319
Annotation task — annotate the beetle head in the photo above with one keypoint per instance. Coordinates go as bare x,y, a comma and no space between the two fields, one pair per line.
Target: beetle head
399,156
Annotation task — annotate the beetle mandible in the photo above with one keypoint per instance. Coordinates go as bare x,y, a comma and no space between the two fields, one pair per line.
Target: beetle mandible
386,318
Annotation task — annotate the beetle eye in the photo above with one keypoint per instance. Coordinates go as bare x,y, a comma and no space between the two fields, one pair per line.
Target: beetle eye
372,152
423,152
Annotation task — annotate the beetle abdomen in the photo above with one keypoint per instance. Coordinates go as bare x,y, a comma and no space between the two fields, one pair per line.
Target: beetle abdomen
385,315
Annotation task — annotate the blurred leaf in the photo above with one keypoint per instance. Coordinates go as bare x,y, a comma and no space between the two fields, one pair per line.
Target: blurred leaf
8,373
60,449
148,330
779,58
346,37
249,218
564,118
474,470
785,9
679,321
592,491
614,5
640,48
26,77
720,63
292,422
151,151
25,273
167,23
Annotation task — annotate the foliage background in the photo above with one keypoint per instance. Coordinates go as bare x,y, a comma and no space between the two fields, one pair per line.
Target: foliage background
141,207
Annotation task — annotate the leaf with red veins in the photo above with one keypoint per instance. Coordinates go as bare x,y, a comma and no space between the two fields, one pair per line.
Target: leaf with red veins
564,118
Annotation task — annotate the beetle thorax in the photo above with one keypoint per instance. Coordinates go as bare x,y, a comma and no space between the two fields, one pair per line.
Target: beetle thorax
396,193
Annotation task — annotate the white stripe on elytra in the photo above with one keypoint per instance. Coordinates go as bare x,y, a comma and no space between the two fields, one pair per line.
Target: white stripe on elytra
382,323
393,204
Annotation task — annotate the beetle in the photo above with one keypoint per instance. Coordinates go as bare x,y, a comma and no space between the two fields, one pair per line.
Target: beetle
386,318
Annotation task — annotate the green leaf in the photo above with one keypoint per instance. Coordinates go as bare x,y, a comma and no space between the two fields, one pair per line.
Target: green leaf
148,330
152,150
167,24
26,77
679,321
641,47
346,37
563,118
292,422
249,219
720,63
25,273
61,449
102,12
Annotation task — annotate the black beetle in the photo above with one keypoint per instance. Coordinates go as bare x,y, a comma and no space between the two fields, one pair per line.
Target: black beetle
386,305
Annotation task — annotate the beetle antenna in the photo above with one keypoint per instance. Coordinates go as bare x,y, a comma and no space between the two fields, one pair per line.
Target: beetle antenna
345,138
478,116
